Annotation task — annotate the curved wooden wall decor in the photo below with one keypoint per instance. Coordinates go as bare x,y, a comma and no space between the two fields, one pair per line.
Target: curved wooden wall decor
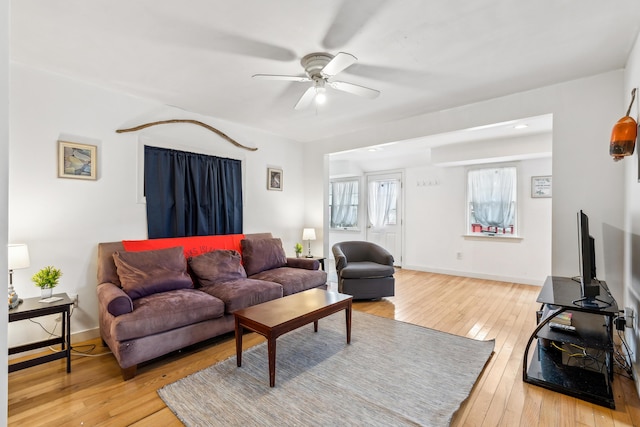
194,122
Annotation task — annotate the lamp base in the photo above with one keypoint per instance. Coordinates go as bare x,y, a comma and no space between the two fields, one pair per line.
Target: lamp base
309,256
14,301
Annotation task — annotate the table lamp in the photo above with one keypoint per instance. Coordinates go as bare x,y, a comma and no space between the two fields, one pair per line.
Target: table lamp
18,258
309,234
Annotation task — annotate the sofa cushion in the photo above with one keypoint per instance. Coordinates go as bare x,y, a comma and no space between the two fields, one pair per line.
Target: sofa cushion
217,266
149,272
293,279
193,245
165,311
243,293
262,254
366,270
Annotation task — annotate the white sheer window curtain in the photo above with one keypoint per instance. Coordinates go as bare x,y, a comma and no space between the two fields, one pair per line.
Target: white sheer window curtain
344,204
493,196
382,199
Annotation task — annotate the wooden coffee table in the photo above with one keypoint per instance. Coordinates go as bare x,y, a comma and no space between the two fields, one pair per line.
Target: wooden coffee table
277,317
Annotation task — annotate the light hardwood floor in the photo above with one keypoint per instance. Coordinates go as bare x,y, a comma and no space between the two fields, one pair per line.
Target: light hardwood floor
93,394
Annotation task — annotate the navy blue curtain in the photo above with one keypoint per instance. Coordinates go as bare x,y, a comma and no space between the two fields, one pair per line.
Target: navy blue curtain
190,194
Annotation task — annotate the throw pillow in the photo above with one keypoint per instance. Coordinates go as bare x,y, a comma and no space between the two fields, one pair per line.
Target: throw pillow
217,266
262,254
150,272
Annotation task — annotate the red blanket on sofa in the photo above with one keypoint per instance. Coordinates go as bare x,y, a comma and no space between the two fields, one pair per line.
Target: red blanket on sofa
193,246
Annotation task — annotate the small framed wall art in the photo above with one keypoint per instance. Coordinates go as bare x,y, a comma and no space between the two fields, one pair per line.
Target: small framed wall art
540,186
274,179
77,161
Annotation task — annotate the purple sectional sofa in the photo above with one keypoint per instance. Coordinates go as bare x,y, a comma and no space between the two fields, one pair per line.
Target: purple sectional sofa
157,301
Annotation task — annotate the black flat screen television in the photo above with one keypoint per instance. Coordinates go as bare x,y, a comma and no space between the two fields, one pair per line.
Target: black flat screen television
589,285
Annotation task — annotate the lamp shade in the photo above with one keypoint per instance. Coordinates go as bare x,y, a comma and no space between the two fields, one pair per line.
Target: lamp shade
309,234
18,256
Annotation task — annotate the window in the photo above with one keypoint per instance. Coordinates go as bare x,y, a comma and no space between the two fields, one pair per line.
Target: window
343,204
492,200
191,194
383,197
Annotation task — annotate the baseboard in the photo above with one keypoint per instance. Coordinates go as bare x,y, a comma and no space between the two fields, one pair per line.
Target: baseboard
522,280
76,337
85,335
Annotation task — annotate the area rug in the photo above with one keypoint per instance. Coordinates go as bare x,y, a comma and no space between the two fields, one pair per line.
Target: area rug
392,374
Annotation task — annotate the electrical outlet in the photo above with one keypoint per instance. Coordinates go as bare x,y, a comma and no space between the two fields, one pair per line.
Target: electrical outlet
74,298
458,255
629,318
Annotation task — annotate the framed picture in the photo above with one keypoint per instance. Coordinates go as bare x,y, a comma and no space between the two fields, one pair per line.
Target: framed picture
274,179
77,161
540,186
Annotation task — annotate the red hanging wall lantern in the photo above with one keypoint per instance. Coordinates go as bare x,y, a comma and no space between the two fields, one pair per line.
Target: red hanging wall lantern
624,134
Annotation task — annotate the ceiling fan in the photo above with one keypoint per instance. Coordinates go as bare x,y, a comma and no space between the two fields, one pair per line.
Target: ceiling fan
319,69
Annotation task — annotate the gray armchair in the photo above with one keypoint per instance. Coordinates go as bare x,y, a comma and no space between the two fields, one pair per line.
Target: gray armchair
365,270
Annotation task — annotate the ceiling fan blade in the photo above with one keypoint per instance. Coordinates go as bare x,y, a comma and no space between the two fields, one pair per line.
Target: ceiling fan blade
355,89
175,30
350,19
306,98
279,77
339,62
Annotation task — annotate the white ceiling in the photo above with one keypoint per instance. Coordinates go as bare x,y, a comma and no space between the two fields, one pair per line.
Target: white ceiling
423,55
418,151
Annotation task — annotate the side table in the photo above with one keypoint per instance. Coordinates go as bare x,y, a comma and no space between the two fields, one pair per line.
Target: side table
31,308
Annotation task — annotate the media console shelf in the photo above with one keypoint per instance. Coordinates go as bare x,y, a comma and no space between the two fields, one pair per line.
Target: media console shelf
578,363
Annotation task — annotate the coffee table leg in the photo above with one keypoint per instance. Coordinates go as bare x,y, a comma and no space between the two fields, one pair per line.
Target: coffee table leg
315,326
271,345
348,316
239,330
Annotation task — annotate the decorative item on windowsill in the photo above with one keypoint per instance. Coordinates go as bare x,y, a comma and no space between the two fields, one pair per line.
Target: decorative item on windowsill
624,134
309,234
18,258
47,279
298,249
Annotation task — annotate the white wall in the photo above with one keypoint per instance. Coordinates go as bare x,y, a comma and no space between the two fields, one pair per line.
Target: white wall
4,172
63,220
435,225
584,176
632,212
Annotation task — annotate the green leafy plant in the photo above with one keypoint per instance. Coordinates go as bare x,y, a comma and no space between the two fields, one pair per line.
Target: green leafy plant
298,248
47,277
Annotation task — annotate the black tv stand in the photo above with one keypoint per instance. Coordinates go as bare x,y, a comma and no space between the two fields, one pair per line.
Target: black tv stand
591,302
556,365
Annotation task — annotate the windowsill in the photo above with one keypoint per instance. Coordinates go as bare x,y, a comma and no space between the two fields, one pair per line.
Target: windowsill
491,236
352,230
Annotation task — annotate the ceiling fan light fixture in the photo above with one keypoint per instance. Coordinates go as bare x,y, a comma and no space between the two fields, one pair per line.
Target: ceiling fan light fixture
319,68
321,95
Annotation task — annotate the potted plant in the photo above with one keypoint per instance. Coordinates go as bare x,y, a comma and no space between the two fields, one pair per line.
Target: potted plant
298,248
47,279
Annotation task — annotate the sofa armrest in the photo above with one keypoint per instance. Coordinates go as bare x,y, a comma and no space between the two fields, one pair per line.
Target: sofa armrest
306,263
114,299
339,257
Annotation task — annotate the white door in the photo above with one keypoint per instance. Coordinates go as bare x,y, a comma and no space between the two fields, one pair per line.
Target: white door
384,212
